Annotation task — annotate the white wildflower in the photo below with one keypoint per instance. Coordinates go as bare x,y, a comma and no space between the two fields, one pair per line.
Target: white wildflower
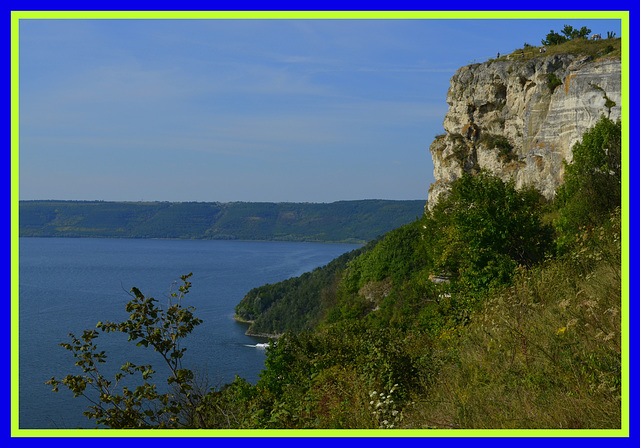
384,410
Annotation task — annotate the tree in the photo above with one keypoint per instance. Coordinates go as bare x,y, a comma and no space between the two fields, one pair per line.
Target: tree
592,181
568,33
572,33
584,32
553,38
488,227
143,406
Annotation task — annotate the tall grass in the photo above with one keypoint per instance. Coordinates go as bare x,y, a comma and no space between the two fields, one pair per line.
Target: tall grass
543,353
580,47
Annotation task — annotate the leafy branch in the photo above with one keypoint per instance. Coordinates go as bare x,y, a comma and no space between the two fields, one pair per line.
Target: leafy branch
143,406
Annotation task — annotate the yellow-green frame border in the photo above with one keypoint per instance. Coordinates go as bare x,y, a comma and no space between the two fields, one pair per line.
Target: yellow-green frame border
16,16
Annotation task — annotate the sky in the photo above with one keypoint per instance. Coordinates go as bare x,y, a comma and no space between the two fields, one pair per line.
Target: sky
219,110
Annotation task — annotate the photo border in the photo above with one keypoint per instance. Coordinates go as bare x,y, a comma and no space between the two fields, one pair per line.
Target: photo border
17,16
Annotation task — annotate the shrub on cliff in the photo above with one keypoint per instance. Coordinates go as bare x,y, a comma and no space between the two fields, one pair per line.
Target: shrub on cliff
487,227
592,181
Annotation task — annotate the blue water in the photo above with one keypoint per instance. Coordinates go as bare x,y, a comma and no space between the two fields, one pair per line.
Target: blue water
68,285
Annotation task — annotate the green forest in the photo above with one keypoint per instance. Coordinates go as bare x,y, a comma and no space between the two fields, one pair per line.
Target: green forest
343,221
496,309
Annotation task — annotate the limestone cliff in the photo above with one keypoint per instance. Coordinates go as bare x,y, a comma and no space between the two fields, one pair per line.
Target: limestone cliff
520,119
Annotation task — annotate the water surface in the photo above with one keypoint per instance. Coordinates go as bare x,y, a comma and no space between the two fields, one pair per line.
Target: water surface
67,285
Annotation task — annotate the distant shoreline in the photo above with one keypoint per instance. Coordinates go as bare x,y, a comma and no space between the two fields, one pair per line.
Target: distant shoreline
355,243
343,222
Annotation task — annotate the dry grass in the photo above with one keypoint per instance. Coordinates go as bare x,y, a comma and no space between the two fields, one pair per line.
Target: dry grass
597,49
544,353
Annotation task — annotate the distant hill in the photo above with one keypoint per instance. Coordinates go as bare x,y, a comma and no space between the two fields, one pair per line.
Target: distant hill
343,221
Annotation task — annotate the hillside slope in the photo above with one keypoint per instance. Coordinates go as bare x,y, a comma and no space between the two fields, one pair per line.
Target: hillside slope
504,119
343,221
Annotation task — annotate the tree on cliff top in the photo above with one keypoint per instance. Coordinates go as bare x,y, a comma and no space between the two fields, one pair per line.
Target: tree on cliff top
568,33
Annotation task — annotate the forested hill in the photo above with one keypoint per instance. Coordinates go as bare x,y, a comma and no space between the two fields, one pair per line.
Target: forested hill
343,221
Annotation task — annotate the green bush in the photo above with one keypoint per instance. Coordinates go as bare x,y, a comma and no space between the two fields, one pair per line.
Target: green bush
504,146
396,256
592,181
486,228
553,81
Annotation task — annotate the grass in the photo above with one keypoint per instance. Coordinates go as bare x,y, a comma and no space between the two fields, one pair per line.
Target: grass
578,47
543,353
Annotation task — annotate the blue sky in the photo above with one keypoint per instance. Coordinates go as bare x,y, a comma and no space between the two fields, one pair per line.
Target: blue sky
244,110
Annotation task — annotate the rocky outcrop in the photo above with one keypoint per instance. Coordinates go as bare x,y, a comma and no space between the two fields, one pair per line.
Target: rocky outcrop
520,119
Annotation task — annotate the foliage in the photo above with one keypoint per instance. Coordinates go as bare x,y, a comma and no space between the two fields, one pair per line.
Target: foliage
608,102
144,406
504,146
553,82
558,44
554,38
384,409
568,33
574,33
294,304
460,153
319,379
544,352
592,181
486,228
398,254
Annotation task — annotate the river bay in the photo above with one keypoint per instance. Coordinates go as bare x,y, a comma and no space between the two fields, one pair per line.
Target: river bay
67,285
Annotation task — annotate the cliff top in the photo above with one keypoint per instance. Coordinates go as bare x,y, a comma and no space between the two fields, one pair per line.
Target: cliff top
578,47
518,117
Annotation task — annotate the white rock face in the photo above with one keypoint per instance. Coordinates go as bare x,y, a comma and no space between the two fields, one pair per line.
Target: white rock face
504,117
